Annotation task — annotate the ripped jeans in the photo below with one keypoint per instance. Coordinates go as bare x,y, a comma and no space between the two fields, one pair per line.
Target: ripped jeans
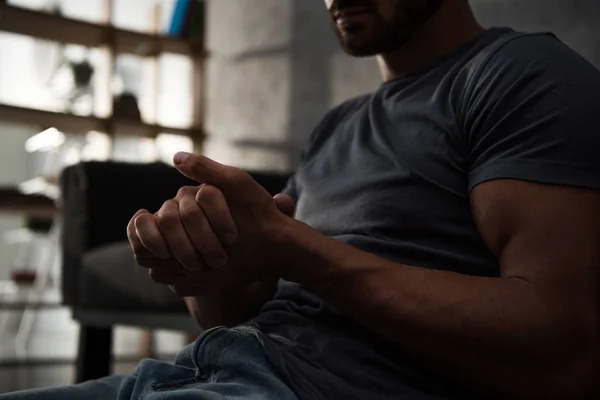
222,364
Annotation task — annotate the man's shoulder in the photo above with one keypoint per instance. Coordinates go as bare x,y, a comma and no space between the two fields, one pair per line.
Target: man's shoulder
515,56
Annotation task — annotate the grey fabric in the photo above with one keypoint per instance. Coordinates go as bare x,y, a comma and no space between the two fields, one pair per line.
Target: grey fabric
110,279
74,218
391,173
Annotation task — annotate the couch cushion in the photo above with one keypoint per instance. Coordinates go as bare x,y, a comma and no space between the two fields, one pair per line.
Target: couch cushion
110,278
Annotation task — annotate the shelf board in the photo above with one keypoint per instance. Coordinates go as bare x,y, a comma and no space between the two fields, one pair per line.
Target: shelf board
12,201
66,30
82,124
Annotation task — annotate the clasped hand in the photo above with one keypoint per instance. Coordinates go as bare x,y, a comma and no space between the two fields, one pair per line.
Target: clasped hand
220,235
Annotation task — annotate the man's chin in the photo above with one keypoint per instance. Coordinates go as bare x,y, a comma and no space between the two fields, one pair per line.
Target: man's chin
358,46
355,51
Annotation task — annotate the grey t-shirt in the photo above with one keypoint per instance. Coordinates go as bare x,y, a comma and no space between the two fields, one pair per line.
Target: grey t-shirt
391,172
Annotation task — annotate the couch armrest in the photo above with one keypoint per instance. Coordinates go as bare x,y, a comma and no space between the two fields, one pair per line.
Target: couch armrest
99,198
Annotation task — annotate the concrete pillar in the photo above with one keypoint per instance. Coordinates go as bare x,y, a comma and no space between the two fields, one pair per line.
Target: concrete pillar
275,69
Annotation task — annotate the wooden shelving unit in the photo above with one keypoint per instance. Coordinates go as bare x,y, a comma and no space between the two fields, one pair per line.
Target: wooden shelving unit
75,123
118,41
60,29
12,202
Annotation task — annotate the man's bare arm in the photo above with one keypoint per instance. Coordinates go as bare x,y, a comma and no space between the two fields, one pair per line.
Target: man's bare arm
235,306
230,308
532,332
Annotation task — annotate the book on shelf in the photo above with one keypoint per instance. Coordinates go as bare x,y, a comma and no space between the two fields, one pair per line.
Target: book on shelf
187,20
180,13
195,25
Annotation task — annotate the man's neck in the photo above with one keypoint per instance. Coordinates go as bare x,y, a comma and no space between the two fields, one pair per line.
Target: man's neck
451,27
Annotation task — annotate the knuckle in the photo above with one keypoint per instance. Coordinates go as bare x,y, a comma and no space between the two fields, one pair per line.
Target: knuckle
186,191
212,254
187,258
131,225
235,175
208,194
218,258
191,212
190,262
202,246
167,219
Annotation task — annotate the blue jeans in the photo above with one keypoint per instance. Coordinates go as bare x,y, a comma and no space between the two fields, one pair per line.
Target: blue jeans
223,364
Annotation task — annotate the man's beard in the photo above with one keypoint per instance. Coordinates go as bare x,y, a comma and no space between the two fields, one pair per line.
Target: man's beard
383,36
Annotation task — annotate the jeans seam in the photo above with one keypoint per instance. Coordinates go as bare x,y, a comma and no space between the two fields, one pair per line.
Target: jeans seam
216,369
165,386
200,340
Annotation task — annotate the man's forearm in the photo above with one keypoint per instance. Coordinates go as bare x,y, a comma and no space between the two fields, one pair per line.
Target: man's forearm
493,333
233,307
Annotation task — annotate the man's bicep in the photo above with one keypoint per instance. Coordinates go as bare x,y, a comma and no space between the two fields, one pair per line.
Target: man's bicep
548,235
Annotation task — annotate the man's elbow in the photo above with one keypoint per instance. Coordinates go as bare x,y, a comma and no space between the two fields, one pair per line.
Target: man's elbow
565,364
576,371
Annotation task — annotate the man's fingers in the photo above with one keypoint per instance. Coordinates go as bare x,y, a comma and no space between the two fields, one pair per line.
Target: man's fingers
184,290
134,241
199,168
228,179
285,204
150,261
200,233
170,225
142,255
215,207
165,277
150,236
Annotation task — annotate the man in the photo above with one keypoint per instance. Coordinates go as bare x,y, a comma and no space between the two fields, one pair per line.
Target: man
444,238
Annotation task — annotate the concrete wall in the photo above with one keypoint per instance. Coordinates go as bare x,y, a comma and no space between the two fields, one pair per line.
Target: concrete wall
276,68
575,22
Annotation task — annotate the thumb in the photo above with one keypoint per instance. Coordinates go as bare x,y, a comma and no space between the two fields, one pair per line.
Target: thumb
200,168
285,204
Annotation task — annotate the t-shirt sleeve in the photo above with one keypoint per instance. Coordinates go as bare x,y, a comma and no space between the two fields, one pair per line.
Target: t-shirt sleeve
291,188
533,114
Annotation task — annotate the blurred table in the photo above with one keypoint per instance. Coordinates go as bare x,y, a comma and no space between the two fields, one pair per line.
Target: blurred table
18,297
27,299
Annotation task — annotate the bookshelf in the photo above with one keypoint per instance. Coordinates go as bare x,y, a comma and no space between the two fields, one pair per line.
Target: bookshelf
76,123
113,41
57,28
